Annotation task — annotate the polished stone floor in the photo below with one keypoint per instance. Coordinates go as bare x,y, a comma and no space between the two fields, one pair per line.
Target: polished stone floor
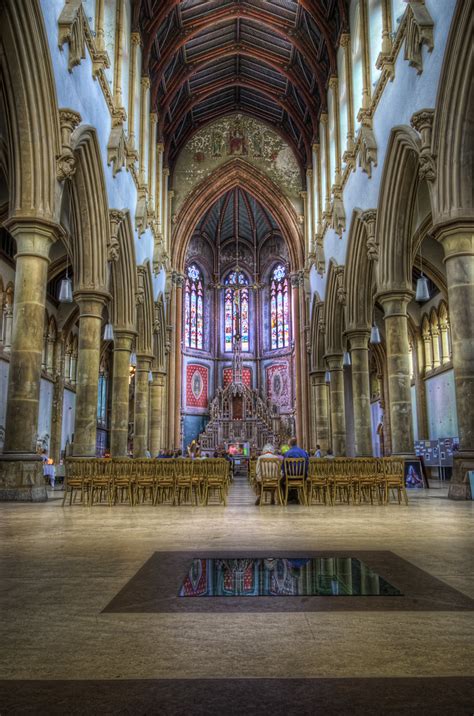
61,567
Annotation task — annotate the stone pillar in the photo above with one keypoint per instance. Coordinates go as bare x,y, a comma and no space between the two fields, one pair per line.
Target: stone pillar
321,409
458,245
21,474
398,370
338,416
172,365
157,389
304,364
142,405
359,342
178,358
58,401
295,306
120,394
91,305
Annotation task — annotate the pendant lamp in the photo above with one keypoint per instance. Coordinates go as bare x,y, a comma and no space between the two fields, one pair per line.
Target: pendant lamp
133,358
422,291
150,376
327,376
375,335
346,359
65,288
108,332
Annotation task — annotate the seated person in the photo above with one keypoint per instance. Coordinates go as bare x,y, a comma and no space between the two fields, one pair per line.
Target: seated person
268,451
296,452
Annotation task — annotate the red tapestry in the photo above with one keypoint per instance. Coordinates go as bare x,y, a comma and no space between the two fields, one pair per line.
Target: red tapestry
278,386
246,377
196,386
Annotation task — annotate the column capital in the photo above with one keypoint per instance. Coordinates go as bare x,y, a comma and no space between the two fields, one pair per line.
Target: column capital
144,361
91,303
359,338
334,361
123,340
456,237
34,236
395,302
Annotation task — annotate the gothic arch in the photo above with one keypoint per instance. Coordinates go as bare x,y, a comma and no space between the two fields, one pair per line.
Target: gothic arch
124,279
453,130
334,309
227,176
28,96
90,213
359,277
145,311
394,214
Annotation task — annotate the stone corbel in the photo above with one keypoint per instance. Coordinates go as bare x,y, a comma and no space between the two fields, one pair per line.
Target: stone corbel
100,61
113,247
369,218
140,296
72,29
368,145
422,121
320,255
66,161
338,218
386,63
419,31
340,290
117,146
141,213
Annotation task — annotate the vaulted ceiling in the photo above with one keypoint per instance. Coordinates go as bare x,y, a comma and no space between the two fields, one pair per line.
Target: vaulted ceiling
270,59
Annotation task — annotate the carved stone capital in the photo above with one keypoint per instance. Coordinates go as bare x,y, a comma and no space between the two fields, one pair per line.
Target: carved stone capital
113,248
141,212
66,162
368,146
117,149
340,290
422,121
338,217
369,217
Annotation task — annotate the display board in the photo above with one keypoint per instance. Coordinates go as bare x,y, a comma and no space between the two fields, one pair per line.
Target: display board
429,451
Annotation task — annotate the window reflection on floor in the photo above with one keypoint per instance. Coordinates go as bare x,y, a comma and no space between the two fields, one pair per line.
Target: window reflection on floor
280,577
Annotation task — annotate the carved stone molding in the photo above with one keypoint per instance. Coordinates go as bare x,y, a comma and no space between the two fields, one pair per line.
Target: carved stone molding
422,121
340,290
66,162
113,248
368,145
117,149
369,218
141,213
419,32
72,26
320,255
338,219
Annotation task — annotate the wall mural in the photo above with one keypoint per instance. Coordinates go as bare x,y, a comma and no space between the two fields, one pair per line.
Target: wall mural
196,386
246,377
237,135
278,386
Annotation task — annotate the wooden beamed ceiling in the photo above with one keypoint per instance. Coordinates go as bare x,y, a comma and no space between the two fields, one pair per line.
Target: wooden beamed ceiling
270,59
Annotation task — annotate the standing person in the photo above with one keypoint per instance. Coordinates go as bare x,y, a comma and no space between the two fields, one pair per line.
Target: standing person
318,452
296,452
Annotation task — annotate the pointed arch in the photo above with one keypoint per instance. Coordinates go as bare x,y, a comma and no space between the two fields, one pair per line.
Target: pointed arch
453,128
145,311
359,277
229,175
394,214
334,309
28,94
124,280
90,213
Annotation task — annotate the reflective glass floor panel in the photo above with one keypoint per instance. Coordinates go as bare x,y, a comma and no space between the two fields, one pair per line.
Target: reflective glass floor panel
283,577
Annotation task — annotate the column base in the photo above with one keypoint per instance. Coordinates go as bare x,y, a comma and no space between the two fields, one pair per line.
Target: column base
459,487
21,478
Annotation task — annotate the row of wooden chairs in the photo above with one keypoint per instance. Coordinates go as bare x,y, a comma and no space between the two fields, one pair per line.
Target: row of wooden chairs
112,481
332,481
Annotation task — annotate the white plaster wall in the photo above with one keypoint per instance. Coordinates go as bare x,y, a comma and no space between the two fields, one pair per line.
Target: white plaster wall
80,92
441,406
408,93
45,408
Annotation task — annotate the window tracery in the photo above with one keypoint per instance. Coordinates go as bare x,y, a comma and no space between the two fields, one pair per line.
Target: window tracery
236,303
194,308
279,308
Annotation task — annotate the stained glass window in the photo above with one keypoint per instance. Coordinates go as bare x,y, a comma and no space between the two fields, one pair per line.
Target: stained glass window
279,309
193,308
236,303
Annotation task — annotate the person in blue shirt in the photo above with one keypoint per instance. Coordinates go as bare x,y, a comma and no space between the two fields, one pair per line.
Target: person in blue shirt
296,451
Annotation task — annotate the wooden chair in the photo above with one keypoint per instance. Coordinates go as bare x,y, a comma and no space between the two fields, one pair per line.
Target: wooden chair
318,481
123,480
215,480
270,476
252,472
367,481
295,478
77,479
101,482
394,479
199,477
145,483
342,480
184,479
165,477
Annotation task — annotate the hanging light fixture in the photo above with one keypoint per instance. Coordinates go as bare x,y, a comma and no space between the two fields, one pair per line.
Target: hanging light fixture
133,358
327,377
65,288
108,332
150,376
422,291
346,359
375,335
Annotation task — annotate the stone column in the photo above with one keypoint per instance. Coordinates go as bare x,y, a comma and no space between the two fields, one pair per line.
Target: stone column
58,401
156,412
21,474
303,361
458,245
359,342
336,392
295,306
178,358
120,394
172,365
91,305
142,404
321,409
398,370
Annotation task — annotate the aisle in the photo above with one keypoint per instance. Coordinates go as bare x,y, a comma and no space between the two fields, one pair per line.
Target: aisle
241,493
